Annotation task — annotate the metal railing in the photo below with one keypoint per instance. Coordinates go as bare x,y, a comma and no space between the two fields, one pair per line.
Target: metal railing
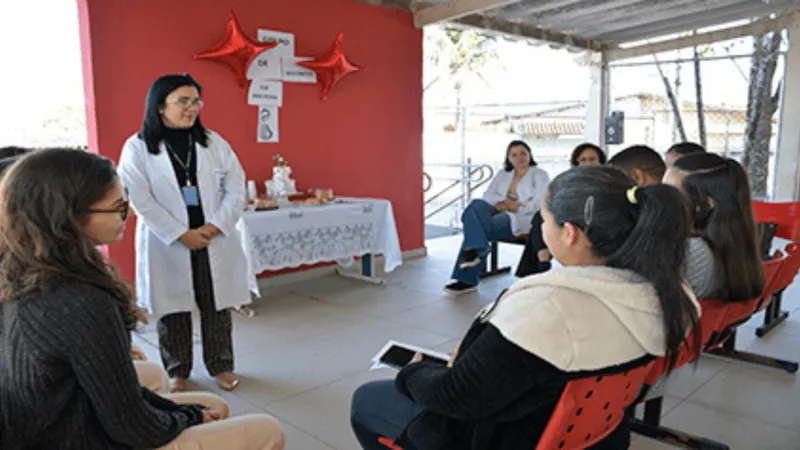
473,176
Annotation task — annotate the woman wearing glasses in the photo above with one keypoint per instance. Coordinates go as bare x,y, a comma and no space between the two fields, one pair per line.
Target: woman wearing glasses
188,190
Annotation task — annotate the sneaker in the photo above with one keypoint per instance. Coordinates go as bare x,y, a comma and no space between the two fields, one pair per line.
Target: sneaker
459,288
469,259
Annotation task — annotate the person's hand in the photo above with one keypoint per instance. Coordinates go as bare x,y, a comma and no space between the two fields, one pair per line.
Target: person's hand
417,358
512,205
142,315
209,415
138,355
453,357
501,206
210,231
194,239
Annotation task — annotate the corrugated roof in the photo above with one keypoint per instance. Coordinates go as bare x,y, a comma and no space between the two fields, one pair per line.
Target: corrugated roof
599,24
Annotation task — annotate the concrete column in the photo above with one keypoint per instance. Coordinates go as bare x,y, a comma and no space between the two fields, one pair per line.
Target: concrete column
599,100
787,166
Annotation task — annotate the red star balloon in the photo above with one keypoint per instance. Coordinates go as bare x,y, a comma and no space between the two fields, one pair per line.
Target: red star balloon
331,67
237,50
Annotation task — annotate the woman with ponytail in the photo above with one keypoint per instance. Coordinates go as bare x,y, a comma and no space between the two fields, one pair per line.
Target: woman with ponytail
618,302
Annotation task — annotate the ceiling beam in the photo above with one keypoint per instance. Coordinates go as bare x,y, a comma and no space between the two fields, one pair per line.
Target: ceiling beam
755,28
455,9
529,8
685,22
530,31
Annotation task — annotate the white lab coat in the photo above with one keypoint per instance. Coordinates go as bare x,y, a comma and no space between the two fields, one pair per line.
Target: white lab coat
530,189
163,267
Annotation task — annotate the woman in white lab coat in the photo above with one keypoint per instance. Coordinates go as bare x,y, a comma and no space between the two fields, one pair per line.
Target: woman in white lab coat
187,188
506,209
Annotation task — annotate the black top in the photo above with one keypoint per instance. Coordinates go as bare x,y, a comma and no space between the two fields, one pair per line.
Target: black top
67,380
180,146
500,398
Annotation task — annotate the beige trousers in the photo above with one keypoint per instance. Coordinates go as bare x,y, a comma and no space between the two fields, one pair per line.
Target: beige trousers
250,432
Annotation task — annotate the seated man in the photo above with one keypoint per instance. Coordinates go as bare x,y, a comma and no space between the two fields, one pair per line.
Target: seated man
641,163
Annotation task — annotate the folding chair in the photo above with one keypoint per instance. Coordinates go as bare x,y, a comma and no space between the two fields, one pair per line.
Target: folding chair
492,268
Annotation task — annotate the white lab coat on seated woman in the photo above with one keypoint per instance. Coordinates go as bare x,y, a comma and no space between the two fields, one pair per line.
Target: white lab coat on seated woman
163,268
530,190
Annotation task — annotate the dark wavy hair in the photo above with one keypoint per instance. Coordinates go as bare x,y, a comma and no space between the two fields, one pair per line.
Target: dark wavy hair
576,153
44,197
719,195
152,131
647,237
507,166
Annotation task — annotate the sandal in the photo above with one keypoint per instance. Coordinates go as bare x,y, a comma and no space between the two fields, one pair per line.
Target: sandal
227,381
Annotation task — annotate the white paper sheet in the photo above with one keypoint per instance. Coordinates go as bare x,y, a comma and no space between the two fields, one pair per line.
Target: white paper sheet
265,93
266,66
267,124
293,73
285,41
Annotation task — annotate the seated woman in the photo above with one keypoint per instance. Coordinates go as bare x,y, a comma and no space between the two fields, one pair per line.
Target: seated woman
617,303
67,380
723,259
536,258
506,209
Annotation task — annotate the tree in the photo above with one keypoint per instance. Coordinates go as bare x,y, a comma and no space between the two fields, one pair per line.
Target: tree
762,104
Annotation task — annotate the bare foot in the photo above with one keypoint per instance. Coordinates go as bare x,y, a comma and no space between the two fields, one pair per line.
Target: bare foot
227,381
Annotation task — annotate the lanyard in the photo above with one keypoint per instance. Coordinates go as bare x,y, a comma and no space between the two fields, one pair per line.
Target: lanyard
188,164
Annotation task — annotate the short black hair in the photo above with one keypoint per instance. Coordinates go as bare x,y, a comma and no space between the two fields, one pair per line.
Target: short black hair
639,157
686,148
507,166
576,153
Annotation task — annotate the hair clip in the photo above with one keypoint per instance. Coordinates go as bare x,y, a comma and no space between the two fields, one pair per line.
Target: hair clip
632,195
588,211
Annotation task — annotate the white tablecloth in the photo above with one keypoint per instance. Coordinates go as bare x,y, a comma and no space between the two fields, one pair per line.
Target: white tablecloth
293,236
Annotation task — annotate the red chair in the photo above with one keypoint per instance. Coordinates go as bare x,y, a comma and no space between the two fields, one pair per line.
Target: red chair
785,215
588,411
787,218
724,344
773,315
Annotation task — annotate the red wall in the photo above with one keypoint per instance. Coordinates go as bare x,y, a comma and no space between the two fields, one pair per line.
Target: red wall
366,140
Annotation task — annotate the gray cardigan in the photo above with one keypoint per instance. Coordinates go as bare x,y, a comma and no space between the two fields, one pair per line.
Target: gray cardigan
67,380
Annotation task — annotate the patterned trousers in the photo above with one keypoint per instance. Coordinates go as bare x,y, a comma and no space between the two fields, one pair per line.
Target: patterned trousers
175,330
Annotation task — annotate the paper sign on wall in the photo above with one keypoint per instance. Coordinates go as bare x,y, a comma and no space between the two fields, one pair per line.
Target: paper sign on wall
297,74
265,93
266,66
285,41
267,124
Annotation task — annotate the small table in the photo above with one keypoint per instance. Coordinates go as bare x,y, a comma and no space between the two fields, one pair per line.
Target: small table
339,231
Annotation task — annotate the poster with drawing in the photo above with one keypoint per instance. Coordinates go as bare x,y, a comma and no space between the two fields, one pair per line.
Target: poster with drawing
267,124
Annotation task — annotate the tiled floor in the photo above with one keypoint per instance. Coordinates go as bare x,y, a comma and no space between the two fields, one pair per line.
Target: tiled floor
310,344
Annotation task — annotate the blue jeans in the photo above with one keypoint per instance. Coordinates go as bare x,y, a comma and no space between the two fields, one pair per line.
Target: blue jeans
377,410
482,224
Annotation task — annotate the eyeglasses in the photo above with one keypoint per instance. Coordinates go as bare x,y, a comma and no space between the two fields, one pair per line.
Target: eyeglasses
186,103
123,209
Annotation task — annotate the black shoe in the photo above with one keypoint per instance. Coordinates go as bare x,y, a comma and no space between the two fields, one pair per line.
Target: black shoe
469,258
459,288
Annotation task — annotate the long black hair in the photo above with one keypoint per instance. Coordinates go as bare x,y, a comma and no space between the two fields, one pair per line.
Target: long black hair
44,199
507,166
722,210
576,153
152,131
640,229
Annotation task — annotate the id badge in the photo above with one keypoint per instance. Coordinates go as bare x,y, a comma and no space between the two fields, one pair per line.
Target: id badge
190,195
